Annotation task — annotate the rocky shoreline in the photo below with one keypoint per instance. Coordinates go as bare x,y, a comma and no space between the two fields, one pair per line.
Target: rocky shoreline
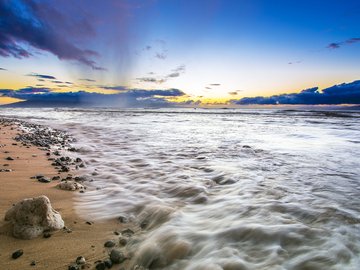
56,146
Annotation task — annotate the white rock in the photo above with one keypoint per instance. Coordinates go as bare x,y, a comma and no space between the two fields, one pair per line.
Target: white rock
70,185
31,217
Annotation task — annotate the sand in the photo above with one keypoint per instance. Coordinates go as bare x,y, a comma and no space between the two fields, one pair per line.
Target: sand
62,248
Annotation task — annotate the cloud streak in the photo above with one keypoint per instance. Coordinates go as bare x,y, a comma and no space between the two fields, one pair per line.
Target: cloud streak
41,76
43,28
337,45
345,93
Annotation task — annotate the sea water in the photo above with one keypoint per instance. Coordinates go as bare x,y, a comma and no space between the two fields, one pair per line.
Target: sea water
222,189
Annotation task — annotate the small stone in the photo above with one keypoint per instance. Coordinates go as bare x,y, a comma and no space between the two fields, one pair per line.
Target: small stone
122,219
89,223
17,254
73,267
109,244
80,260
127,232
100,266
9,158
57,177
44,179
116,256
122,241
47,235
108,263
116,233
33,263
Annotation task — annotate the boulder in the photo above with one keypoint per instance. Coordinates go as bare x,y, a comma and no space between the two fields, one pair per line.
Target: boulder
31,217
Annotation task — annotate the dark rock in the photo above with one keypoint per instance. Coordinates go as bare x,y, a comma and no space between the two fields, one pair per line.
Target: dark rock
9,158
80,260
78,160
100,266
127,232
122,219
33,263
17,254
109,244
44,180
57,177
122,241
74,267
38,176
47,235
108,263
116,256
116,233
89,223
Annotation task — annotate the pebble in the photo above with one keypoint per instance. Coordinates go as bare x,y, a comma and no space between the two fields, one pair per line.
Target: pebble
9,158
100,266
73,267
33,263
44,179
116,256
109,244
122,241
80,260
89,223
108,263
127,232
122,219
47,235
17,254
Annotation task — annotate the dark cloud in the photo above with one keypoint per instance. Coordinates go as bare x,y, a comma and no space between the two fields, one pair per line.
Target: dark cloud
345,93
173,75
150,80
42,27
293,63
234,93
337,45
180,69
214,84
57,81
3,69
87,80
116,87
41,76
43,97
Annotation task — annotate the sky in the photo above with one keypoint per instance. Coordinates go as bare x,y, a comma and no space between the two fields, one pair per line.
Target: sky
180,51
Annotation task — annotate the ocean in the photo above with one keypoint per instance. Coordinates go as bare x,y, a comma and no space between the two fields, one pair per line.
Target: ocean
222,188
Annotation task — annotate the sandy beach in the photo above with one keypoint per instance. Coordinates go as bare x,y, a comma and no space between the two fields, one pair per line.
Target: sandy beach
81,238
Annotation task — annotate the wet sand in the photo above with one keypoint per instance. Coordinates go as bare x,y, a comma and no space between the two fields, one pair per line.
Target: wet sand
63,247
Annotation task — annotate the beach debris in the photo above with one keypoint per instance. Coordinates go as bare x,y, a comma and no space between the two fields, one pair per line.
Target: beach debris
117,256
32,217
18,253
70,185
109,244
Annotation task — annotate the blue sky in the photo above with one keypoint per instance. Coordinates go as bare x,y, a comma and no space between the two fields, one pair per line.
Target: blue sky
210,50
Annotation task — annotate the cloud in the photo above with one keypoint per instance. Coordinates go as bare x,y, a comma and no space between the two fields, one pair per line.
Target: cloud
87,80
214,84
345,93
161,56
116,87
41,26
56,81
337,45
151,80
3,69
234,93
45,97
41,76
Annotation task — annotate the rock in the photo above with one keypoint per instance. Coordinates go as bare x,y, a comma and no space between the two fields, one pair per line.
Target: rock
73,267
9,158
17,254
109,244
100,266
31,217
44,179
127,232
70,185
80,260
57,177
47,235
108,263
33,263
116,256
122,241
122,219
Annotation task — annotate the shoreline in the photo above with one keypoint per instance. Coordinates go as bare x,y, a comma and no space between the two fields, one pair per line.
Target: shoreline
80,237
